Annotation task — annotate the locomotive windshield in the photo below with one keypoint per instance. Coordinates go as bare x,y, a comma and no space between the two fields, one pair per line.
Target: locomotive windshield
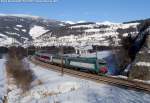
102,62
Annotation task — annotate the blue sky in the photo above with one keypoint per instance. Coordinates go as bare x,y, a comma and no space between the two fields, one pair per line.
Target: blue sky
88,10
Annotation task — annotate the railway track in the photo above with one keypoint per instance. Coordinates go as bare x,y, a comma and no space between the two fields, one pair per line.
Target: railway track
121,82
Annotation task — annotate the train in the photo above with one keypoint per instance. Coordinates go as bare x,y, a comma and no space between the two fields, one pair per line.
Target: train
90,64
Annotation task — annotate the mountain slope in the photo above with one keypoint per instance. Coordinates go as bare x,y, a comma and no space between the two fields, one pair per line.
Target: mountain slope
21,28
87,33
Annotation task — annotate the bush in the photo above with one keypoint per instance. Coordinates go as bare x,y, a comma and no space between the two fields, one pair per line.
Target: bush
19,69
17,52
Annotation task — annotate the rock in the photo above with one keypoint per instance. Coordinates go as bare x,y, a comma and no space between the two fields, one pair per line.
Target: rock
141,66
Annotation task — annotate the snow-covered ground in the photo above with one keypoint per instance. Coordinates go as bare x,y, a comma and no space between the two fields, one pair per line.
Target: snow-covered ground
2,80
66,89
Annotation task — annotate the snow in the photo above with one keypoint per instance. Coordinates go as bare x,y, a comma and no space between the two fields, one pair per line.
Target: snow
36,31
56,88
7,41
12,33
69,22
143,64
24,30
16,29
20,26
61,24
2,35
92,30
81,21
99,23
106,23
84,26
91,35
2,79
72,22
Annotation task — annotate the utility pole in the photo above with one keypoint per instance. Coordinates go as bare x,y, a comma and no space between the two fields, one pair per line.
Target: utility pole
62,69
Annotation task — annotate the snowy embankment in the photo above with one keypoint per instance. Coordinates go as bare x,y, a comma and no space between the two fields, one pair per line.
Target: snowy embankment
3,90
55,88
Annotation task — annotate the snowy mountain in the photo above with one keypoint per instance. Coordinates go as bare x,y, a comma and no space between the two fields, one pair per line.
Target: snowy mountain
21,28
86,33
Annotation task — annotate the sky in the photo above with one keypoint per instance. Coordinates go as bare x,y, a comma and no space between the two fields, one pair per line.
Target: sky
82,10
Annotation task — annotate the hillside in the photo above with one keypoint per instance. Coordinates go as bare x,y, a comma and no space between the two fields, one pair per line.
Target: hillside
21,28
88,33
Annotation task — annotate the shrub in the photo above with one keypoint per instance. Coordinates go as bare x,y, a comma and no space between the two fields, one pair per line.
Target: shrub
19,69
140,72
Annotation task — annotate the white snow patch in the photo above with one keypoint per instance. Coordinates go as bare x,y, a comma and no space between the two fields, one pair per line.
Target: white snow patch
54,89
24,30
70,22
16,29
61,24
81,21
36,31
92,30
20,26
3,36
143,64
106,23
5,41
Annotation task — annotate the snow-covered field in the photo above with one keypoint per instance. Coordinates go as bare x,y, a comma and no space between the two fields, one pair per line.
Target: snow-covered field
55,88
2,79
